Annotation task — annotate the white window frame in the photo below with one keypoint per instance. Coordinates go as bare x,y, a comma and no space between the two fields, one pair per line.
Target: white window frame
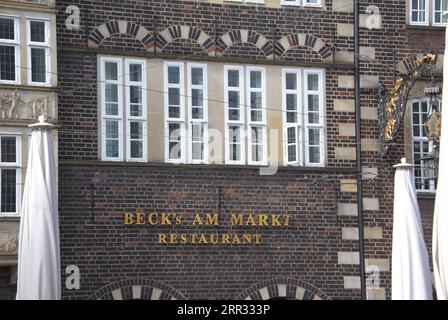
295,3
434,23
421,139
424,23
104,117
234,123
247,1
16,43
259,124
299,123
204,121
129,118
18,167
181,119
40,45
318,4
321,124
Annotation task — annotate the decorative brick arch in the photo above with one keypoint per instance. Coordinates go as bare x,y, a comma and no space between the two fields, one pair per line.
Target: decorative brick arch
286,288
120,27
185,32
233,37
307,40
137,289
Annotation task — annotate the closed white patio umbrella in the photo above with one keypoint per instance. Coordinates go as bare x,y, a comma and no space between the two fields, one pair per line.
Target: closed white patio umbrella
411,276
38,271
440,226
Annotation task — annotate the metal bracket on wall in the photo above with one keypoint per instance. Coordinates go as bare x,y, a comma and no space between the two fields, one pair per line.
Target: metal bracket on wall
392,105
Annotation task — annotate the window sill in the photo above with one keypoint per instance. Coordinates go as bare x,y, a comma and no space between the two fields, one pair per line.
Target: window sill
201,166
426,195
9,217
423,27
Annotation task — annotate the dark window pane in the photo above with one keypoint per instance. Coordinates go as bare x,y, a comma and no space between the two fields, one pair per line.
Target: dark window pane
291,81
7,28
255,79
37,31
8,190
233,78
197,76
38,65
7,63
8,149
111,70
135,72
136,149
174,75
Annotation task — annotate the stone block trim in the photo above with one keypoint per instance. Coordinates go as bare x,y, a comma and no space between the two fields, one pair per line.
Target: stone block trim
112,28
345,153
348,258
233,37
347,209
376,294
348,185
283,288
371,204
352,283
143,289
307,40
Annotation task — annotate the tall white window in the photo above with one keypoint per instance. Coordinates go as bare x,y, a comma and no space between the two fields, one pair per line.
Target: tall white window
234,117
419,12
303,117
9,174
9,50
256,115
38,42
292,116
123,109
136,110
421,146
439,7
198,113
174,112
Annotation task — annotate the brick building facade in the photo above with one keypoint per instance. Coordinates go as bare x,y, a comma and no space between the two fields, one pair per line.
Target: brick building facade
290,69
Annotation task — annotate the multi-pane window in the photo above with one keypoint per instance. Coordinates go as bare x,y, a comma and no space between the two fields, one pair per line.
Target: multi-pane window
247,1
124,115
174,112
419,12
254,130
303,117
9,49
256,114
9,174
421,146
234,117
439,7
198,113
311,3
38,36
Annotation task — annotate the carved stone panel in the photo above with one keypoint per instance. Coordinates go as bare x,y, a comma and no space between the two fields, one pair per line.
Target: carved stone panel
26,105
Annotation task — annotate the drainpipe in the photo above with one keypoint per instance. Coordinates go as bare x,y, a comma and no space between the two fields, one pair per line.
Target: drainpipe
357,82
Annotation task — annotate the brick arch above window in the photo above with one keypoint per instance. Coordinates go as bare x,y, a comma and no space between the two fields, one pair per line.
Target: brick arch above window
307,40
173,33
233,37
283,288
113,28
137,289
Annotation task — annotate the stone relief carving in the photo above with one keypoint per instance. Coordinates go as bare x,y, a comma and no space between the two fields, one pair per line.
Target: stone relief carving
8,243
13,105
